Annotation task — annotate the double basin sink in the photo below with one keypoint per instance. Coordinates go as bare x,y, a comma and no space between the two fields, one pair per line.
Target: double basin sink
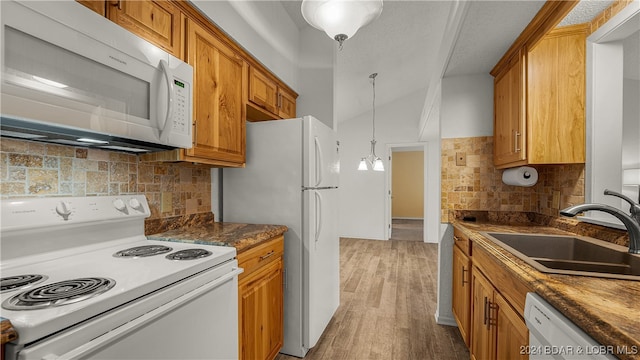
572,255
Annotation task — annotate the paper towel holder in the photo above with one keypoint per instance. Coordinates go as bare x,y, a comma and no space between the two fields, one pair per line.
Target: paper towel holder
520,176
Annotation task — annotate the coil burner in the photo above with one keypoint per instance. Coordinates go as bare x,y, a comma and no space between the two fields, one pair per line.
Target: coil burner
20,282
188,254
143,251
59,293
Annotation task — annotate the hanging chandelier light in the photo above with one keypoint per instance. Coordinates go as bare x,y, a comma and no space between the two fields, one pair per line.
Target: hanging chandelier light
340,19
372,160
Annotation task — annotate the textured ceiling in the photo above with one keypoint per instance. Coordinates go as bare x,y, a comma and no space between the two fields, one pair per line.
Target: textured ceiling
488,30
403,43
584,11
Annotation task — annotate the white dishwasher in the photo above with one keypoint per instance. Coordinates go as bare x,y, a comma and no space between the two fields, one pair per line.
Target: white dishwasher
553,336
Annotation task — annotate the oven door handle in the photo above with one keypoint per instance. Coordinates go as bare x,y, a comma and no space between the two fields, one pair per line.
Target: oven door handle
123,330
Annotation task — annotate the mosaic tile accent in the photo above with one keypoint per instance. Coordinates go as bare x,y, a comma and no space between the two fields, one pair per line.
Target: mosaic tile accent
478,185
31,169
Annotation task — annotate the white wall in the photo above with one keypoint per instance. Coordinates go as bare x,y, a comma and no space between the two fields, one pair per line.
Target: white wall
264,29
631,132
467,106
466,110
362,193
631,124
317,59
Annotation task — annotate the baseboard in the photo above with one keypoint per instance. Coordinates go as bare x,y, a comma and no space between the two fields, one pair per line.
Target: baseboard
445,320
407,218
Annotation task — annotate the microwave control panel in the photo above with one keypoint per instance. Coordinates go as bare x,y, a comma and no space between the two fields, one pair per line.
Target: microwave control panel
181,111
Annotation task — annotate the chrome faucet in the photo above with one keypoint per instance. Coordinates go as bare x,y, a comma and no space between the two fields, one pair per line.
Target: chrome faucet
631,222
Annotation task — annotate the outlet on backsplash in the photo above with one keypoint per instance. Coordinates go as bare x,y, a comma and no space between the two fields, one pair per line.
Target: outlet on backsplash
461,159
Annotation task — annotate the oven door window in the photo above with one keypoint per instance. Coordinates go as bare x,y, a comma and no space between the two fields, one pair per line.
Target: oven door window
34,64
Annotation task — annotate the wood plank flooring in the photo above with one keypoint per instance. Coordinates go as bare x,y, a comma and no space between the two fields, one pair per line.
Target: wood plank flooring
387,306
407,229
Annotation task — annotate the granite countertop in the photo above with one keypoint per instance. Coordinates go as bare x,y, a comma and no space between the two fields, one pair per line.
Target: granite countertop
240,236
8,332
607,309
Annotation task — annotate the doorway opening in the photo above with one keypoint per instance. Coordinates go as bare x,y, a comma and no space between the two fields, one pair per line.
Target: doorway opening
406,192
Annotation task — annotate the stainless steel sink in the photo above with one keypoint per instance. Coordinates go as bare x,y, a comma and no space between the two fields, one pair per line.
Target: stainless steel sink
573,255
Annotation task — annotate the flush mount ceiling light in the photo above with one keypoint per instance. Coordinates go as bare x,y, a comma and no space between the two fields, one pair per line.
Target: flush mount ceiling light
340,19
372,160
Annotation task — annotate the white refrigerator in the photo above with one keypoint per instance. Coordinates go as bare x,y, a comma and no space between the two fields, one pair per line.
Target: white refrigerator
291,178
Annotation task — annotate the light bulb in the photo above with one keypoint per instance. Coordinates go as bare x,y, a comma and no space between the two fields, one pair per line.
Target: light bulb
378,165
363,165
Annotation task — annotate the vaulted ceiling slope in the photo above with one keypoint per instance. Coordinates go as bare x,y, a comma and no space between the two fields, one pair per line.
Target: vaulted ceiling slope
402,46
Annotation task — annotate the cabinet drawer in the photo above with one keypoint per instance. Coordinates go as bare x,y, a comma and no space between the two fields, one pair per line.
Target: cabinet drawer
462,241
254,258
512,289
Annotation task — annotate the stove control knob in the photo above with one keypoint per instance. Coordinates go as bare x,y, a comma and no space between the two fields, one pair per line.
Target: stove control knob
120,206
63,209
135,204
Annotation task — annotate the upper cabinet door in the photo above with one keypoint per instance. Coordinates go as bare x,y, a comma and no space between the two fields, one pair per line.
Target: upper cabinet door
263,92
509,121
556,83
156,21
268,98
220,78
287,101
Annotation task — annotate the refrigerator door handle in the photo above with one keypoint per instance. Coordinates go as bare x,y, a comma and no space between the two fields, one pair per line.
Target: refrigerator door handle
318,216
319,161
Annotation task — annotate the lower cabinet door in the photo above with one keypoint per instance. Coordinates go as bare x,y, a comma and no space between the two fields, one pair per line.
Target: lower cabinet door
512,333
261,313
482,327
461,292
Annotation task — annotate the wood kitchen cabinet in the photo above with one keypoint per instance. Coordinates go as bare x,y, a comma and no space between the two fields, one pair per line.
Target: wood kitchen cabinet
261,300
498,332
219,112
156,21
462,285
539,102
268,98
220,78
509,121
99,6
498,329
488,303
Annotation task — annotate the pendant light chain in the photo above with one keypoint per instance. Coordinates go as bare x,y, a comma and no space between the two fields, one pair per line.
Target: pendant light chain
372,159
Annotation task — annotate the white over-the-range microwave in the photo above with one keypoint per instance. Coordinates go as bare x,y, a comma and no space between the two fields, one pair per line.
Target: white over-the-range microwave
70,76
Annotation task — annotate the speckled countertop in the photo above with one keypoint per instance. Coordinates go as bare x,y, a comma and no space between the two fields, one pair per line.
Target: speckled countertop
240,236
606,309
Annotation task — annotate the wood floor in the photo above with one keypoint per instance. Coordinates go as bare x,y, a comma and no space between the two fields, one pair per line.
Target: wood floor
407,229
387,307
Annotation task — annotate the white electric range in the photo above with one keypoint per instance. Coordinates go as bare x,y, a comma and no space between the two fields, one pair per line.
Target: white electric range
80,280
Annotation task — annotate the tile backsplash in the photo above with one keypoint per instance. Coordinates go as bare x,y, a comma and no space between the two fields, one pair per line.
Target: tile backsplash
30,169
478,185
